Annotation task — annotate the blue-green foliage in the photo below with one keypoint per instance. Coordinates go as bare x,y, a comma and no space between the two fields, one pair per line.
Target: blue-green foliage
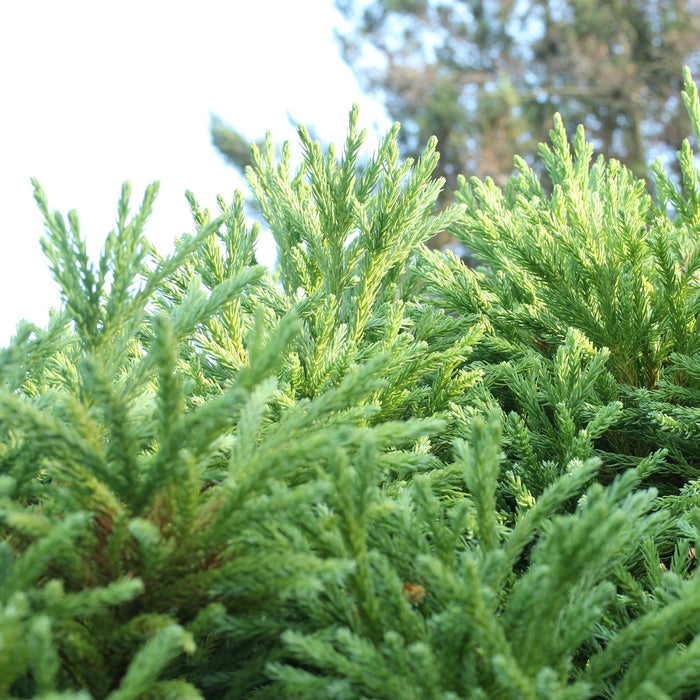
375,473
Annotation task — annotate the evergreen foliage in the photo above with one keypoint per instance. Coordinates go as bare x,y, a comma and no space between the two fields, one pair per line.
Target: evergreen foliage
591,299
375,473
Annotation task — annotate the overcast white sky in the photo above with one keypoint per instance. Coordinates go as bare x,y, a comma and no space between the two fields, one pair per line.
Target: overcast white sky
95,93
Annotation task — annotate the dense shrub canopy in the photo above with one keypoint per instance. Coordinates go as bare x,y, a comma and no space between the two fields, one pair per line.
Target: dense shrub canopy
375,472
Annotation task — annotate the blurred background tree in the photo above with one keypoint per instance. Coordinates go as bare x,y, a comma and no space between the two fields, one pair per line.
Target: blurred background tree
232,145
486,76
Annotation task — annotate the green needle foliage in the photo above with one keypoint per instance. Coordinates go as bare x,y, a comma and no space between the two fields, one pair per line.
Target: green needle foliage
373,473
588,288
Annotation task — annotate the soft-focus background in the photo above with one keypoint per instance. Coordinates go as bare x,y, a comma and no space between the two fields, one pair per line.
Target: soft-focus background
92,94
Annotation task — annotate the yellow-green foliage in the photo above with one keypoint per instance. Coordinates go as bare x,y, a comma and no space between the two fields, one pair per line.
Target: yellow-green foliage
375,473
